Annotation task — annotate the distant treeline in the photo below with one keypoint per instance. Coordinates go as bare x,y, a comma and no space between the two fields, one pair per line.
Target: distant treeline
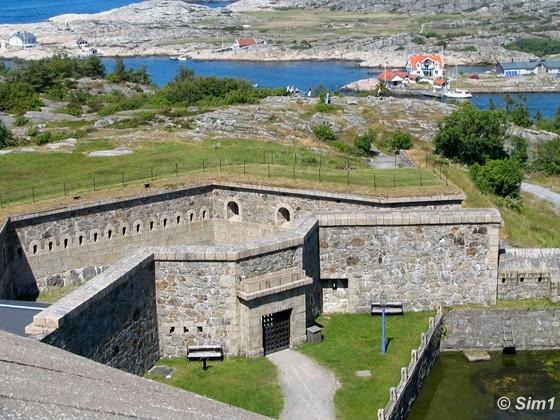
537,46
22,87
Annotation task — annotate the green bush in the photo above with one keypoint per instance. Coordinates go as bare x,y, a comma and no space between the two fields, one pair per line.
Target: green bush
401,141
44,138
21,120
418,40
6,137
324,132
325,108
74,108
470,135
501,177
363,142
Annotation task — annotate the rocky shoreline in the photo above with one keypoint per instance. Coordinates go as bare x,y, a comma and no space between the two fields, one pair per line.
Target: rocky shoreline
175,28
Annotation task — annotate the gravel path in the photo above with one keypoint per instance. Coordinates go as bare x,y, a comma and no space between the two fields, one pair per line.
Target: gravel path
542,193
308,388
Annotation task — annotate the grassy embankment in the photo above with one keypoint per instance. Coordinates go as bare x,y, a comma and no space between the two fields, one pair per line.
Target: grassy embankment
47,175
536,224
251,384
352,342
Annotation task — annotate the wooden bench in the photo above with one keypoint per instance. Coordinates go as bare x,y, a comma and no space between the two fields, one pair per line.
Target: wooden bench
205,353
391,308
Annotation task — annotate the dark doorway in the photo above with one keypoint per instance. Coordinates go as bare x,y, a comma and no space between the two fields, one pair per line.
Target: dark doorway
276,331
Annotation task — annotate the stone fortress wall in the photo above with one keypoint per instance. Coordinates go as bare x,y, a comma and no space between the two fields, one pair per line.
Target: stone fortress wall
5,273
226,255
112,320
526,273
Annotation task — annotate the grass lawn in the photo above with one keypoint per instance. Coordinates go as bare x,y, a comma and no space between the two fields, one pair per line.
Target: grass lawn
25,177
353,342
251,384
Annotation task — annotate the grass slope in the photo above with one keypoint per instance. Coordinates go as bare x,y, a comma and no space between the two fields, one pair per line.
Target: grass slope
43,175
353,342
251,384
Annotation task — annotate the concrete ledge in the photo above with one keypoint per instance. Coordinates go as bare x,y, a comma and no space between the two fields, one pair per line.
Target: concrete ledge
412,217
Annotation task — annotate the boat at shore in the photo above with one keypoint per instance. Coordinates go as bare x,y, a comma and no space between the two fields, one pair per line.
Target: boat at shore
457,94
180,58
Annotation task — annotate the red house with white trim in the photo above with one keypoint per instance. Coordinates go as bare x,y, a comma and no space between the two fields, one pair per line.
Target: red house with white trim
425,65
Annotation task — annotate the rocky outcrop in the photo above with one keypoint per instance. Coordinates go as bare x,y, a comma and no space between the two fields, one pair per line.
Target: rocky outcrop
407,6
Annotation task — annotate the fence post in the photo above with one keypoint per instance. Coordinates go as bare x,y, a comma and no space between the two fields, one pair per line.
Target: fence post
122,174
243,167
446,169
64,188
348,176
33,192
294,171
320,161
177,169
220,164
295,159
202,165
93,183
272,154
152,171
319,174
269,169
374,183
421,177
394,184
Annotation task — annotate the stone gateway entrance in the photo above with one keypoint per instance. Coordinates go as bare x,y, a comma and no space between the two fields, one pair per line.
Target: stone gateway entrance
276,331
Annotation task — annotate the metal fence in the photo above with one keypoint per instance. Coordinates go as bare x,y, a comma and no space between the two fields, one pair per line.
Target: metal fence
273,165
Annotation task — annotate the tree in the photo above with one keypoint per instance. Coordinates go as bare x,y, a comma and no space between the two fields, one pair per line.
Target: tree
6,137
119,72
520,149
363,142
548,157
471,135
401,141
501,177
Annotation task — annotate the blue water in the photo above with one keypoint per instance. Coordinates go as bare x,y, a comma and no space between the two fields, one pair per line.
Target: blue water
301,74
546,103
15,11
307,74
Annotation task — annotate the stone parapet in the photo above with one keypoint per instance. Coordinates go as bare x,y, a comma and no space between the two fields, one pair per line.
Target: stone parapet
411,218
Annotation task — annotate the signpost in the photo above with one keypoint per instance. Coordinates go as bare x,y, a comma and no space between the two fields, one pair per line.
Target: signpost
383,302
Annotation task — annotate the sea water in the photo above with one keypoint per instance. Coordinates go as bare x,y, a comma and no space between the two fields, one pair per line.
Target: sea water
16,11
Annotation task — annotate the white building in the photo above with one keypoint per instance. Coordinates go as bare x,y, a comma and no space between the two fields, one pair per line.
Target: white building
22,39
425,65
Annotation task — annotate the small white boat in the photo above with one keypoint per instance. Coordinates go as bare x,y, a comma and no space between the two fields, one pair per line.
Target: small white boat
457,94
180,58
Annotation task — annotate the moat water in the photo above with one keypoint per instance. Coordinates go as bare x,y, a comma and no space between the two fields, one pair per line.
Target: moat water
459,390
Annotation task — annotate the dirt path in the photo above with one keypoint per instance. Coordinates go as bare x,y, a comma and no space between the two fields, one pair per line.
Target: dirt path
308,388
